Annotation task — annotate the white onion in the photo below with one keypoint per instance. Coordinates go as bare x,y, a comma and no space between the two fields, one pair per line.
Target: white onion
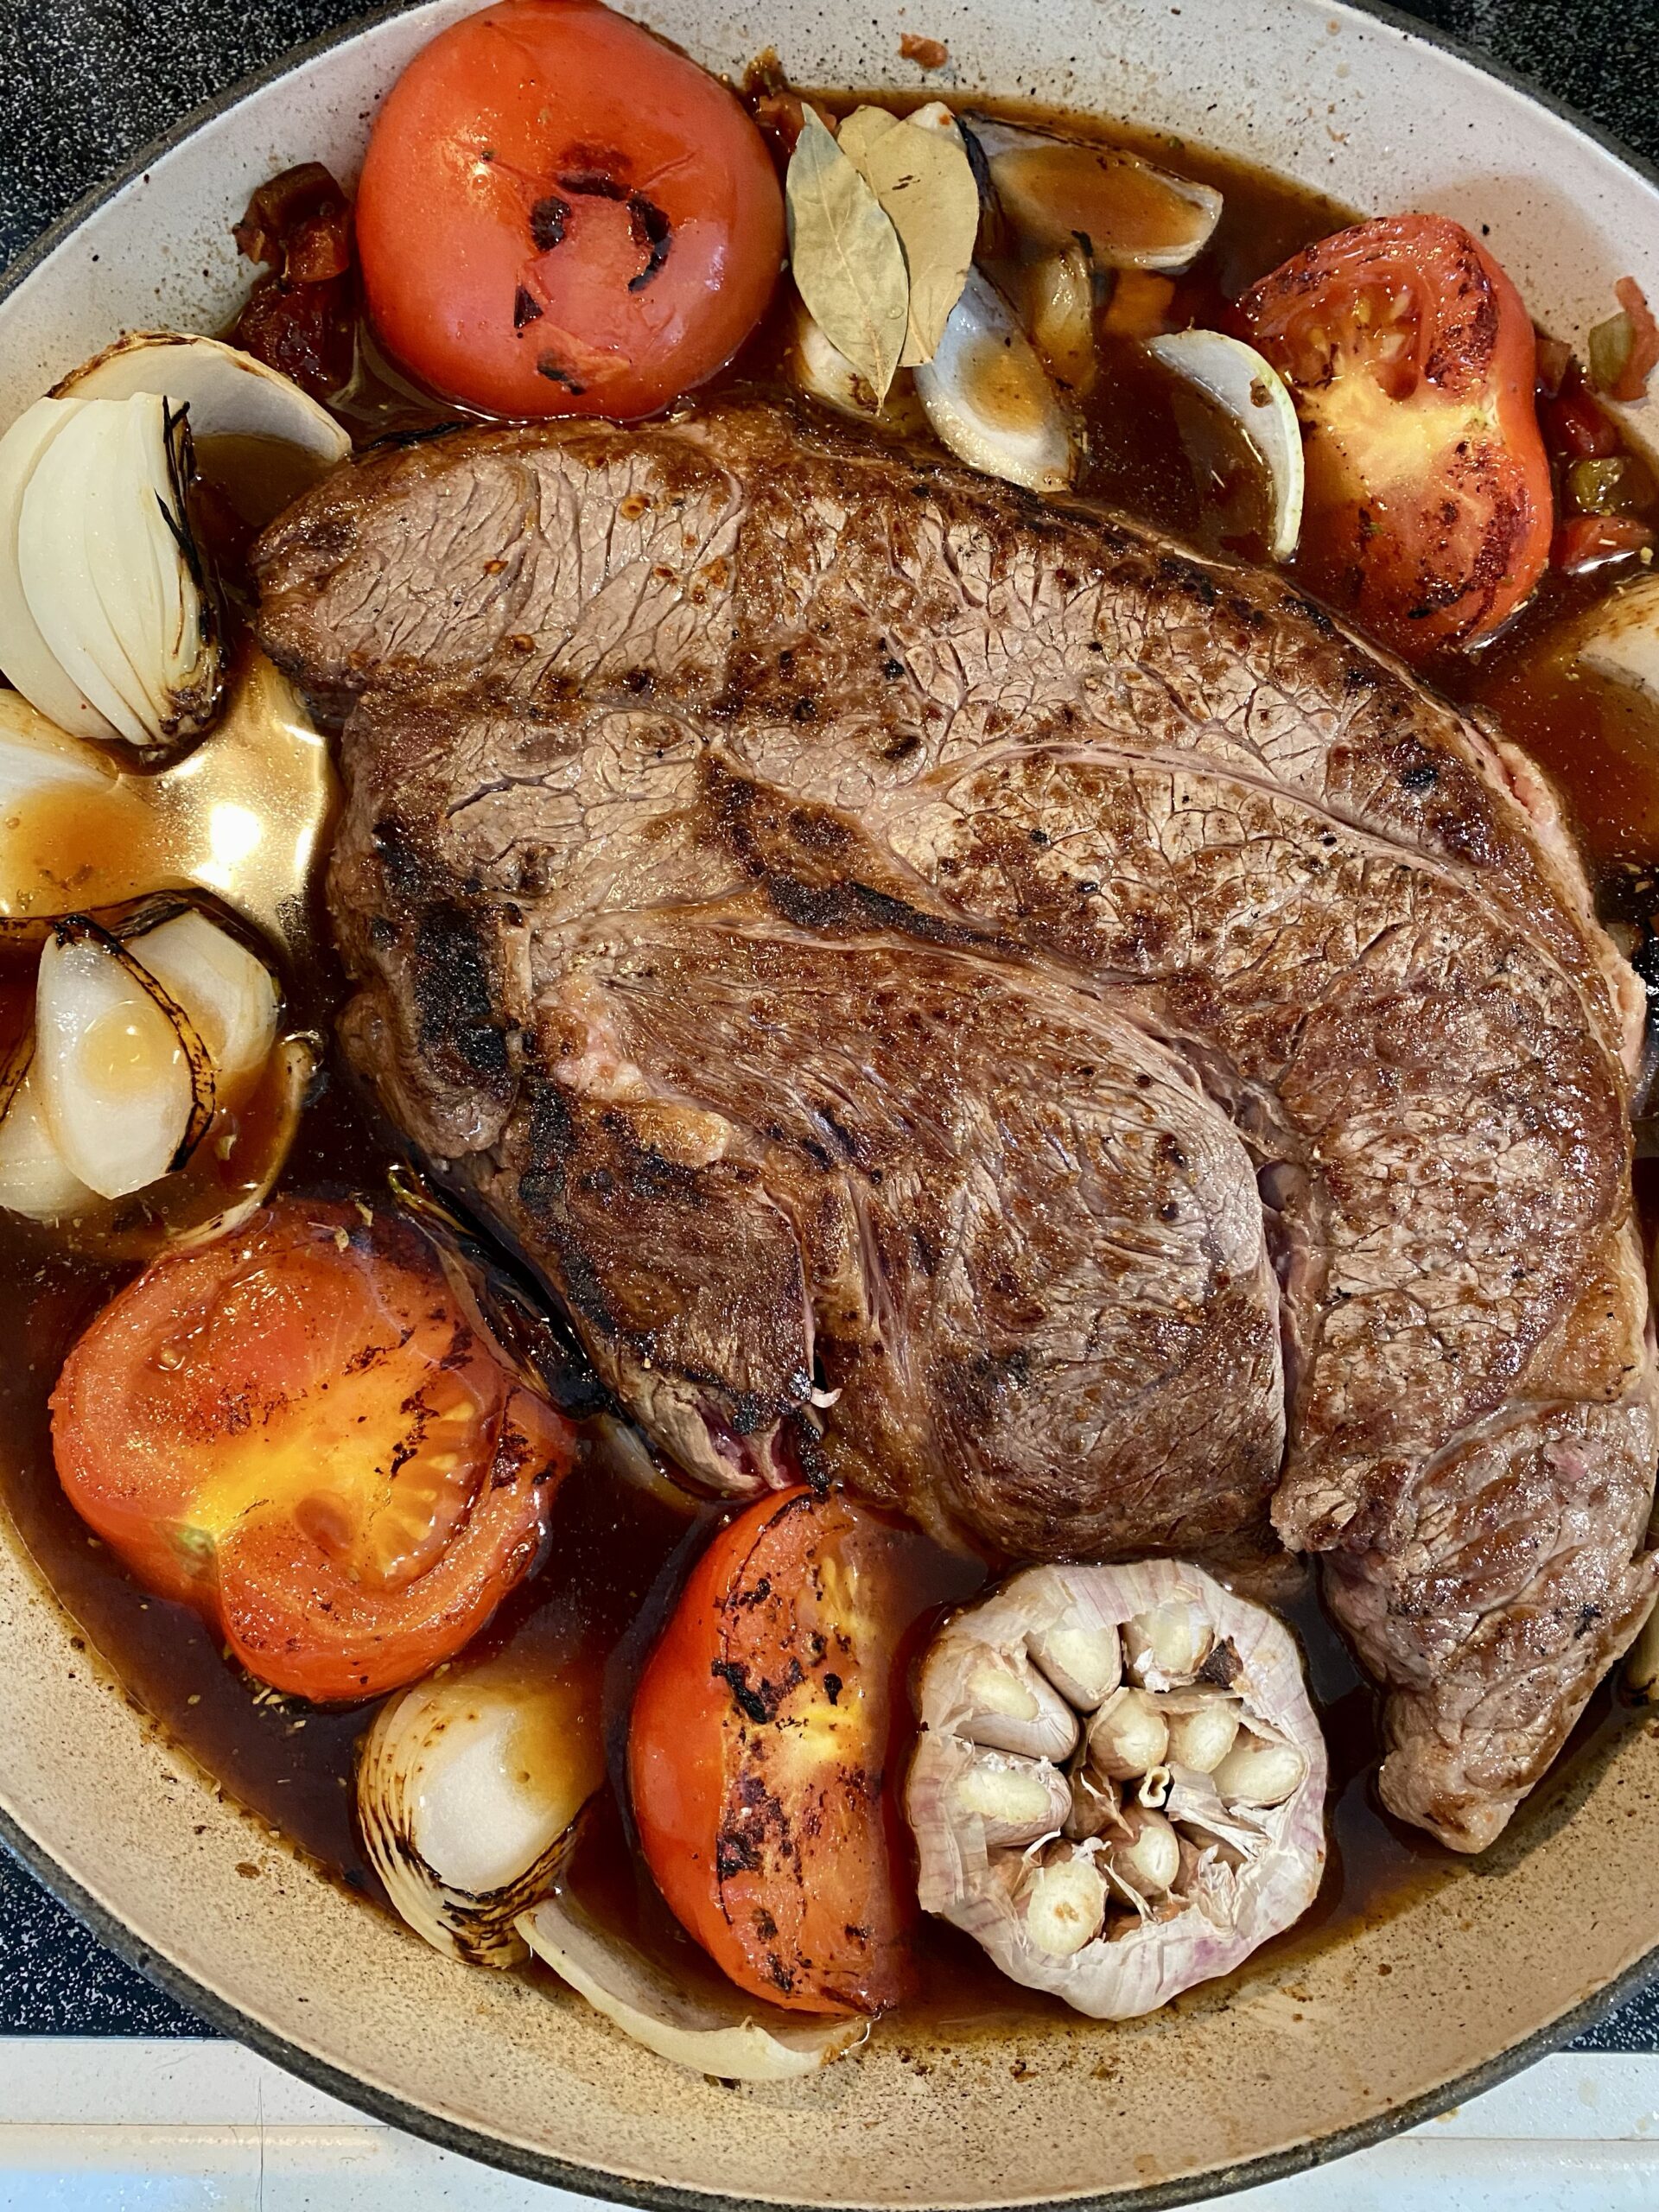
1252,392
229,394
121,1079
1620,638
711,2029
989,398
466,1790
92,502
33,1177
1133,214
229,994
25,656
823,372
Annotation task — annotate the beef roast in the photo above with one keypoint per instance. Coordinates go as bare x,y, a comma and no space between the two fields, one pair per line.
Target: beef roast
955,994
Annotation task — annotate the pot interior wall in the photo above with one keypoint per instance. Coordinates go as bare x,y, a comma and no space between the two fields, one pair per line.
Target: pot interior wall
1314,2042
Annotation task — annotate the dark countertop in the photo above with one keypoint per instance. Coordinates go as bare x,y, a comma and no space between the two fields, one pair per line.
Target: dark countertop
83,85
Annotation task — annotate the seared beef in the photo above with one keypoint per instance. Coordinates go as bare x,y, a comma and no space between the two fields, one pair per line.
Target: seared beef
899,957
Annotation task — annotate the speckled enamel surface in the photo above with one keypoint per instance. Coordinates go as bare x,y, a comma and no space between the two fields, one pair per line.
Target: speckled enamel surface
1314,2042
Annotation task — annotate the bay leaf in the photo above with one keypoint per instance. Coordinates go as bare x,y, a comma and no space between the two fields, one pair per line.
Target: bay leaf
919,169
844,250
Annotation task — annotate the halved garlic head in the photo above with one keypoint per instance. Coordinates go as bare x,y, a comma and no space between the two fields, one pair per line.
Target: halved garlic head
991,401
106,622
1255,398
1130,214
468,1787
124,1082
1187,1827
229,394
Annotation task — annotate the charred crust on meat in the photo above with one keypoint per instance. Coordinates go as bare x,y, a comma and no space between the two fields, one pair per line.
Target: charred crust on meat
453,999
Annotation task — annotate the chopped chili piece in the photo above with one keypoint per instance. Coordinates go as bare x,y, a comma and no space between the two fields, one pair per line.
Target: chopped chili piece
925,53
1575,426
301,316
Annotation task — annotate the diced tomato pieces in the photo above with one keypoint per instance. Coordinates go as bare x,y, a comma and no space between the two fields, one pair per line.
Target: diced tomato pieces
1590,542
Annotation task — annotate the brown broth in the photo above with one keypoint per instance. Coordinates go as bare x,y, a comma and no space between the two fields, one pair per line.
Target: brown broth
617,1552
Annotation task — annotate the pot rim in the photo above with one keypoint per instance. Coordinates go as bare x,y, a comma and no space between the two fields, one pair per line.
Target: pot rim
543,2165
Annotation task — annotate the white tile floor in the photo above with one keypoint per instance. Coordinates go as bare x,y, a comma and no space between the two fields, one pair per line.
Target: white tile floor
98,2126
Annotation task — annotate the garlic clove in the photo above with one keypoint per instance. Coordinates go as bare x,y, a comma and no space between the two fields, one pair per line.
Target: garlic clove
820,369
25,657
1202,1735
1015,1801
125,1082
1012,1708
1147,1858
229,394
1258,1773
229,994
1167,1644
1065,1903
1085,1664
1127,1736
1057,302
991,401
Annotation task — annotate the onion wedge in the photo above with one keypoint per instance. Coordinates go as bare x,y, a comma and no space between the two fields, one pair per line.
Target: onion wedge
231,993
1131,213
33,1179
1253,393
124,1080
990,400
229,394
25,656
709,2032
1620,639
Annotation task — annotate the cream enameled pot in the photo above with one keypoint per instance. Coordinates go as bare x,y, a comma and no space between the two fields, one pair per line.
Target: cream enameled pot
1311,2054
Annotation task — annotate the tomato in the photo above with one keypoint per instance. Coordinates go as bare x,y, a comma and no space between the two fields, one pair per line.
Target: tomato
561,215
762,1751
1590,542
298,1431
1411,359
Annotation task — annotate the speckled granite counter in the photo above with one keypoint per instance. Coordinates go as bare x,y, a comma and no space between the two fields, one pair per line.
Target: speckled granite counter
83,85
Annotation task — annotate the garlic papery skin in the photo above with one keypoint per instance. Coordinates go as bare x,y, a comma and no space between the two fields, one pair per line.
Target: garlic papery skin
991,401
468,1787
1251,392
34,1180
111,587
1199,1870
1133,214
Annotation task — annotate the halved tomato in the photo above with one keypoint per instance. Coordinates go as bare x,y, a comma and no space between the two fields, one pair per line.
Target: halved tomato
1411,358
559,214
762,1753
299,1432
